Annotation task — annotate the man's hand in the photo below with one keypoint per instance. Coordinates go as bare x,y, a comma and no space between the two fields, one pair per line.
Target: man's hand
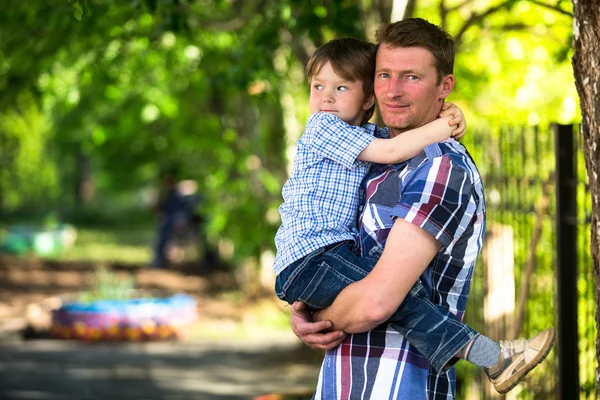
367,303
313,333
458,119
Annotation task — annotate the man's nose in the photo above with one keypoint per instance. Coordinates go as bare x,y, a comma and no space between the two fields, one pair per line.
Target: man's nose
394,88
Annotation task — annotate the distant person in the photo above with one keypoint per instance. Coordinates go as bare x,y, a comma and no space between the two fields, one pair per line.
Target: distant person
196,222
172,209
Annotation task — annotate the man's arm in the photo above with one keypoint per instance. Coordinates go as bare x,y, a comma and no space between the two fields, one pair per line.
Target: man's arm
371,301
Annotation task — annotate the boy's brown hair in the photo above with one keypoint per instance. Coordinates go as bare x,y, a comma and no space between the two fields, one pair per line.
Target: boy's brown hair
352,59
416,32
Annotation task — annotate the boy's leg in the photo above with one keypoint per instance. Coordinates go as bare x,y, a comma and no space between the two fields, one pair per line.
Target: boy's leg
432,329
319,277
441,337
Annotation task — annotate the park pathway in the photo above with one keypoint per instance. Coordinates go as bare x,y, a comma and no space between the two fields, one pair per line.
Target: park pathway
64,370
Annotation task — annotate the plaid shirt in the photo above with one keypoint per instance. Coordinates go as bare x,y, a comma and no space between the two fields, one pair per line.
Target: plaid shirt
440,190
321,197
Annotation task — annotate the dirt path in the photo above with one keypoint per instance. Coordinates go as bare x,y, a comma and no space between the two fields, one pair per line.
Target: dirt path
197,370
201,367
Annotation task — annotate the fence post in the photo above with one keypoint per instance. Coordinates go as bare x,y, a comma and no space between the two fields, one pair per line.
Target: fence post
566,237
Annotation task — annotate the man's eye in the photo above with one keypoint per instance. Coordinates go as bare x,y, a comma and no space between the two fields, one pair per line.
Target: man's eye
412,77
384,75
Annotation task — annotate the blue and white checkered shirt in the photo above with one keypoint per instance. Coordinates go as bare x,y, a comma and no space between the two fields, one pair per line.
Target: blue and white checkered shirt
322,195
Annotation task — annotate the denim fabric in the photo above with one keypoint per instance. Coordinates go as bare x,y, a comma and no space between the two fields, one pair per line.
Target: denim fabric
319,277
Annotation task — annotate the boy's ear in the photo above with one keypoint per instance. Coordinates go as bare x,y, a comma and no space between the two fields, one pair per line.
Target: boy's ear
369,101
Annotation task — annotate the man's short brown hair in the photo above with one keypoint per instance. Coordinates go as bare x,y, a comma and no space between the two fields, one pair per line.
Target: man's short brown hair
352,59
416,32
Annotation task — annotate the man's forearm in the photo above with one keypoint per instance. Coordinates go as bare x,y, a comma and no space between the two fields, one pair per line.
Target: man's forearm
371,301
354,310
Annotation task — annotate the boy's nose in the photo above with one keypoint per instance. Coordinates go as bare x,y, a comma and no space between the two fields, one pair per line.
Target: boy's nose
328,98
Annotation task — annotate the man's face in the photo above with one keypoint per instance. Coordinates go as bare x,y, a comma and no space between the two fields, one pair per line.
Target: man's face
406,87
331,93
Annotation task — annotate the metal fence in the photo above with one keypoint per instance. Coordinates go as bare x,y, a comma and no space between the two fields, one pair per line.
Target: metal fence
535,270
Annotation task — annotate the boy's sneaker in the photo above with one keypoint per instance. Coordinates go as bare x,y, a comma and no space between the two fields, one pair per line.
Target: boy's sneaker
517,358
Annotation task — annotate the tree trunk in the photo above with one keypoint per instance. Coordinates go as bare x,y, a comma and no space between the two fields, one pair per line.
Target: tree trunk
84,184
586,66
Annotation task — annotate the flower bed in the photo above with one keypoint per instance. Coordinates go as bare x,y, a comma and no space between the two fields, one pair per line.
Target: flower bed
138,319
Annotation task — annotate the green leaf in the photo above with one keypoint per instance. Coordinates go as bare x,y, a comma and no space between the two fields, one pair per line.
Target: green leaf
78,13
320,11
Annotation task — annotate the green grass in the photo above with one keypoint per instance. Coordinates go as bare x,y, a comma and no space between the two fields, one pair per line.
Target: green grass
122,245
128,245
109,286
258,320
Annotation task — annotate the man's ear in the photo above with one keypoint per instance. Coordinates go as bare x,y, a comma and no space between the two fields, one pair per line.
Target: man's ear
369,101
447,86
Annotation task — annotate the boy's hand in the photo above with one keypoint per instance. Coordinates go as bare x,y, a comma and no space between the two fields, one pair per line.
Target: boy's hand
458,119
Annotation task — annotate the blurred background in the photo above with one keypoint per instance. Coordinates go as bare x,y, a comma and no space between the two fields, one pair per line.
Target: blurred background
151,139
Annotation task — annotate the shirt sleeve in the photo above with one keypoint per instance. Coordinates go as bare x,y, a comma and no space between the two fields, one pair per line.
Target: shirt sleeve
382,133
333,139
438,196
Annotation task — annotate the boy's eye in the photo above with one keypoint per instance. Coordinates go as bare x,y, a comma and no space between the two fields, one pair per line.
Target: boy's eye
318,86
342,88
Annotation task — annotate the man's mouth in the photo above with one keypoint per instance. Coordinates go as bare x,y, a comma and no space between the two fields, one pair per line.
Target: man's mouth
396,106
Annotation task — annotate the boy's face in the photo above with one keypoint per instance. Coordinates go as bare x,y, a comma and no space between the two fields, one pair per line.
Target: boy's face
331,93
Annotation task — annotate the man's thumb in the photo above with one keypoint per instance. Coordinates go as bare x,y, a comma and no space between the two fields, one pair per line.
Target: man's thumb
298,306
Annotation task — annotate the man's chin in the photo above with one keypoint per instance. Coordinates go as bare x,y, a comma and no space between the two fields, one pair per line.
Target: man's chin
397,125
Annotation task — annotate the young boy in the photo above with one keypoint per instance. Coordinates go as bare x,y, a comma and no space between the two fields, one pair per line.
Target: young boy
315,243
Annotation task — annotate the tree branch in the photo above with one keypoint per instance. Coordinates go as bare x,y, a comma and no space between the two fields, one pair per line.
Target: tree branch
459,6
551,7
238,22
443,13
410,8
476,18
384,8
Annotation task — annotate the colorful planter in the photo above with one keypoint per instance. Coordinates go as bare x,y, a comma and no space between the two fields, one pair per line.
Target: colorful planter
141,319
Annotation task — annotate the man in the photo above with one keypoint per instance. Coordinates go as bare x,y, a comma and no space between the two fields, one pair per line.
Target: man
429,213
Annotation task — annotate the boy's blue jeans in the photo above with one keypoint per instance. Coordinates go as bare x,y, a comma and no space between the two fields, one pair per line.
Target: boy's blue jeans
319,277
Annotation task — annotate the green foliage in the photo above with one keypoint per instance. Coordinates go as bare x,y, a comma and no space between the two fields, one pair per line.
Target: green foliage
109,286
114,94
516,164
25,141
137,88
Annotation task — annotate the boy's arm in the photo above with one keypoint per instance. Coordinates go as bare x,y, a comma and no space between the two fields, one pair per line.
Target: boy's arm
331,138
408,144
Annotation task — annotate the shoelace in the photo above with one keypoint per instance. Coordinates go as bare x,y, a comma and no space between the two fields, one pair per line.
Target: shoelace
510,347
